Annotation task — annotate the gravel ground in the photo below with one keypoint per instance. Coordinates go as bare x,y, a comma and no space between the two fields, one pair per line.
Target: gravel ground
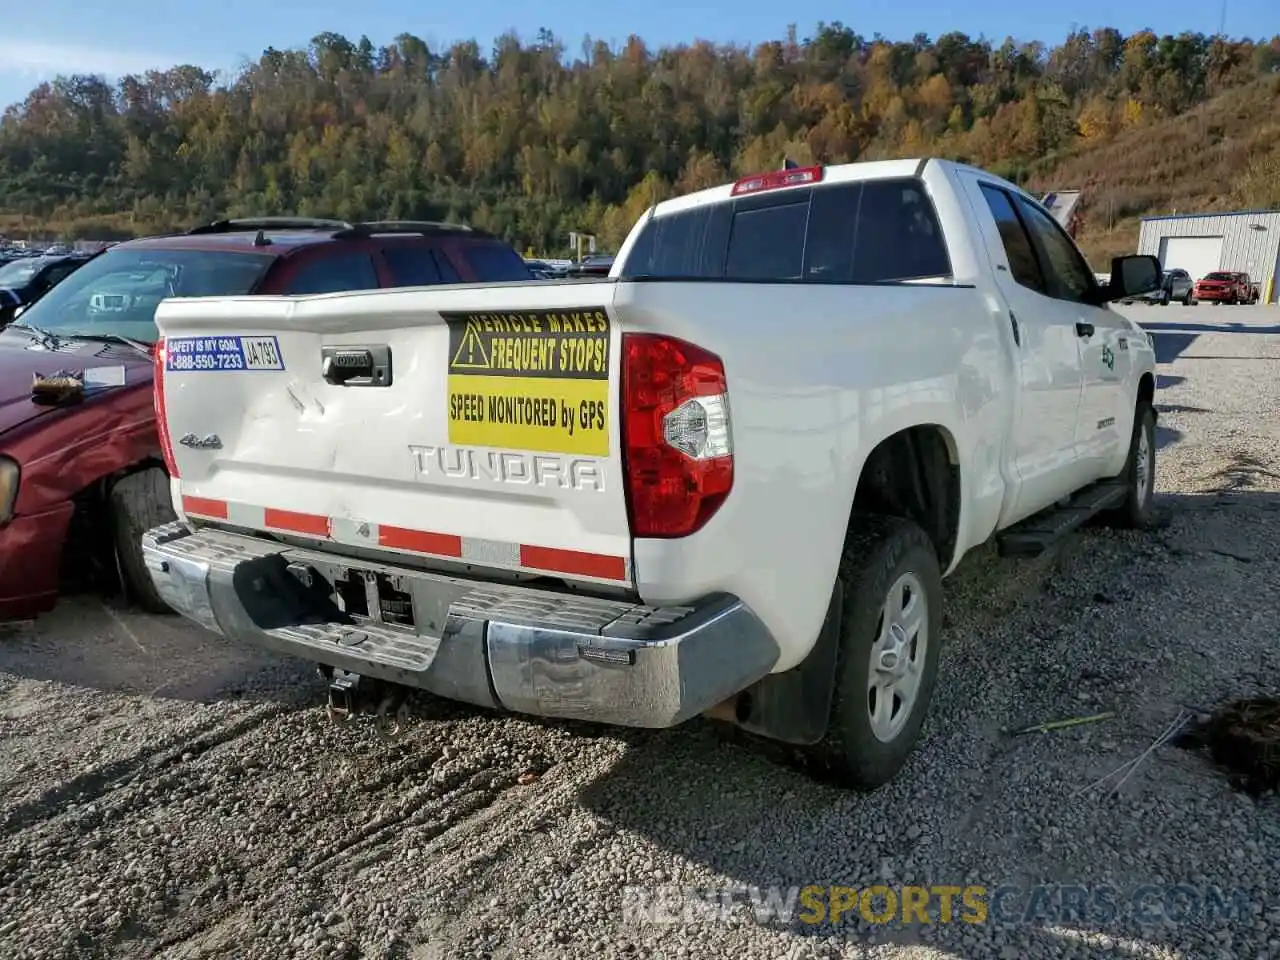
165,795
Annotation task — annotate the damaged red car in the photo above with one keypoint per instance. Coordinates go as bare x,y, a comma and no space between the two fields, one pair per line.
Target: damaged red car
81,469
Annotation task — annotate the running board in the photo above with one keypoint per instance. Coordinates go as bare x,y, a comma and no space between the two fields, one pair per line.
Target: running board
1033,536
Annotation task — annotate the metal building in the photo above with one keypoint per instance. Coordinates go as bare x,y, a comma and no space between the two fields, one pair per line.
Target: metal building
1247,241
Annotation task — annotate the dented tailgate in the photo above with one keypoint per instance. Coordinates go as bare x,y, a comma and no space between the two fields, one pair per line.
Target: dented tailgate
473,425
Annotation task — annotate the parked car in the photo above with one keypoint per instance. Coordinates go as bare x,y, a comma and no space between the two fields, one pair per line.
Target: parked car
1252,291
729,479
90,471
596,265
1226,286
1177,285
24,280
541,270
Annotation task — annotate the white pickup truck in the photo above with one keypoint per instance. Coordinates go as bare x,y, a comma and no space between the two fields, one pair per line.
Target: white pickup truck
727,480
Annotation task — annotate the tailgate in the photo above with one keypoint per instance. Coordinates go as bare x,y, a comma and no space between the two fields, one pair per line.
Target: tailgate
472,424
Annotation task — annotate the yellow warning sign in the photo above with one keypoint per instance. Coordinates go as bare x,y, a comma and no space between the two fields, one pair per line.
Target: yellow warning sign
471,354
534,380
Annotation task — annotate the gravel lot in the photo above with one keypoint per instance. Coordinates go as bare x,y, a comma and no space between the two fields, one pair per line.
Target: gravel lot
163,795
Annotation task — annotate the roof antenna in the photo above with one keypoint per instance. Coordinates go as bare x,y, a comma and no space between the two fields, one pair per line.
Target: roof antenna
261,239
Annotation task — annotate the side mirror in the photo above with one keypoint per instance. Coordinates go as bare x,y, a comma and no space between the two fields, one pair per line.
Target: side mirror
1133,276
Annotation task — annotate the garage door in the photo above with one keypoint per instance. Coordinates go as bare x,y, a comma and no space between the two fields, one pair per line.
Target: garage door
1196,255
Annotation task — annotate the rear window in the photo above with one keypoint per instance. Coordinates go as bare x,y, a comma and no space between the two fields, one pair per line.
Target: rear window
495,262
880,231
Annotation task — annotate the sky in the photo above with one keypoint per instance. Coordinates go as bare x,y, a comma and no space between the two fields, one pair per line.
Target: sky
42,39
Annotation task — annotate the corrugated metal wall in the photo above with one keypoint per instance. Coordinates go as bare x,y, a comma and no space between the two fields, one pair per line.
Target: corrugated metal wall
1243,247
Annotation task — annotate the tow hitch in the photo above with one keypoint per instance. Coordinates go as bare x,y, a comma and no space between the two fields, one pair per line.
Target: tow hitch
344,695
351,694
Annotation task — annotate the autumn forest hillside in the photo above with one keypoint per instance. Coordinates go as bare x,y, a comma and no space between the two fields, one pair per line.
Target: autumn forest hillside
531,142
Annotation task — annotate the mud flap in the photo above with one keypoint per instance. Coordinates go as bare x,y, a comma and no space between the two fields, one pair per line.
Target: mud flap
795,706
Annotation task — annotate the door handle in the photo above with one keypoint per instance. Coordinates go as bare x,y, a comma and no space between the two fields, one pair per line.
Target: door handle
1017,335
1084,329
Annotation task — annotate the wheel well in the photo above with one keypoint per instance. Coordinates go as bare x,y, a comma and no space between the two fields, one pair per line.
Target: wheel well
1146,388
915,473
90,528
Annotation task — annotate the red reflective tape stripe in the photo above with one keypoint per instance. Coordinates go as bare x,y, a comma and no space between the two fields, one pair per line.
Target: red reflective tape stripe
573,561
205,507
307,523
419,541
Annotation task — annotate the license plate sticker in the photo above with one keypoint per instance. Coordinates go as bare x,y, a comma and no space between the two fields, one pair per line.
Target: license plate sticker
208,354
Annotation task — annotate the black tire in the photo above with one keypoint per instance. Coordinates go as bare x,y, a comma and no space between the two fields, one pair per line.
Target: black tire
1189,300
1139,476
139,502
878,553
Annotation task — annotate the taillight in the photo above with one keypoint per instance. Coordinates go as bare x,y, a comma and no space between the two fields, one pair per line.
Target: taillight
162,425
777,178
676,436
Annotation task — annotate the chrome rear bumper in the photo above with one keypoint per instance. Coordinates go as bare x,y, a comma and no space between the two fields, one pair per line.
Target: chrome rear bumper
527,650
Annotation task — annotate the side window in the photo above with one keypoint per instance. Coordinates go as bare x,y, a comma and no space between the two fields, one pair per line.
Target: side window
688,244
1068,275
448,272
495,262
412,266
333,274
898,236
766,241
880,231
1017,244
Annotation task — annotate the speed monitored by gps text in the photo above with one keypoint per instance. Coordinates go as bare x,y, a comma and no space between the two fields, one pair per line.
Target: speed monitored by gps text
534,380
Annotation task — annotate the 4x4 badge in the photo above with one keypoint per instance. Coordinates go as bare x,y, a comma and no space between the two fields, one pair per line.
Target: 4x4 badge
211,442
1109,358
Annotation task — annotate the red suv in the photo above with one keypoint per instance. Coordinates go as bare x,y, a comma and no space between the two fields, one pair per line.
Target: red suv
1225,286
84,467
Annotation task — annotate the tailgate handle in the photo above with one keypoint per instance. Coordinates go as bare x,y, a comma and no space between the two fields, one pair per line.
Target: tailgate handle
356,365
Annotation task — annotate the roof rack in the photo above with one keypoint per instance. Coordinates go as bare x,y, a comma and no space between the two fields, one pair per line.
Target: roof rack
251,224
337,229
421,227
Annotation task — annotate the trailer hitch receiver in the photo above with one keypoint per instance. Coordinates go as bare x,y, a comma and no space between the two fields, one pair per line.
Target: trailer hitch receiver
344,688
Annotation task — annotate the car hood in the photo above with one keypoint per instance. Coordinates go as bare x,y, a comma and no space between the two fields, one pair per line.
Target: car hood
20,361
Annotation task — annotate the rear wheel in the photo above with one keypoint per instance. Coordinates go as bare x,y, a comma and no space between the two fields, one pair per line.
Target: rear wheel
1189,300
139,502
887,661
